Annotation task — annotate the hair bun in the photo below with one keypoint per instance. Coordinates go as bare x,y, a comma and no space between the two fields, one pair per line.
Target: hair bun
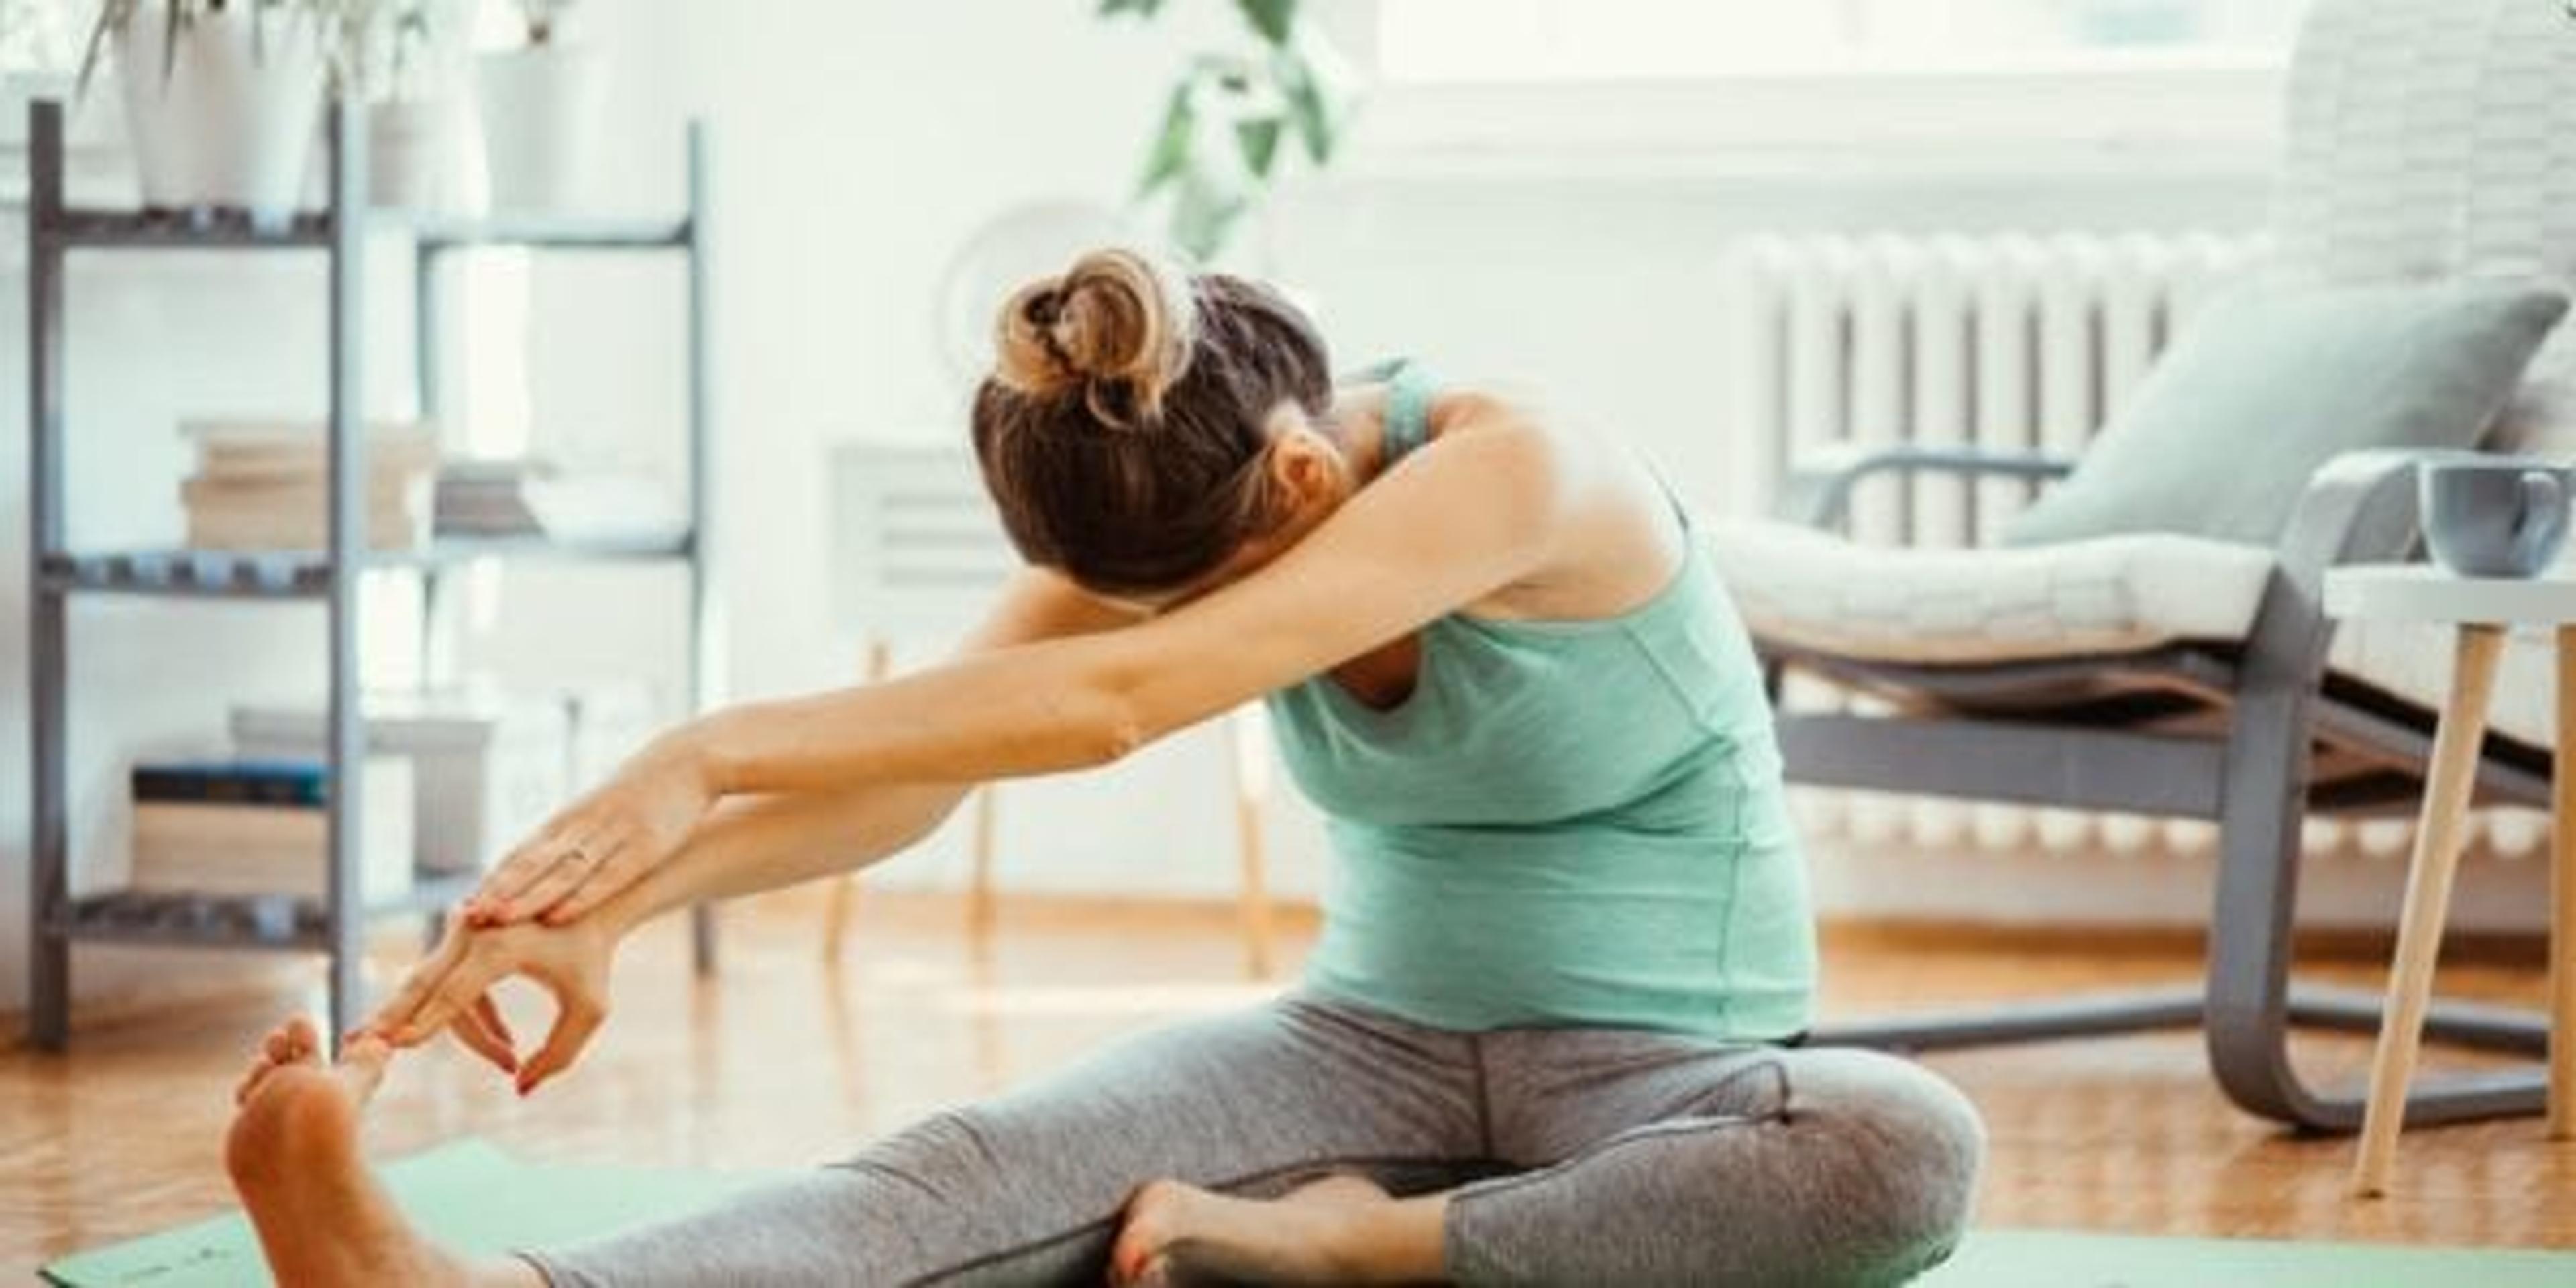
1117,326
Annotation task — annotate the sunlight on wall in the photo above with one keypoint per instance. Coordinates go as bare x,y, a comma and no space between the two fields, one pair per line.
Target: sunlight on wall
1504,40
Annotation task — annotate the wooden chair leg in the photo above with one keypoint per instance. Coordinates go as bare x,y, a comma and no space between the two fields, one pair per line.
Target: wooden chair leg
2562,901
842,904
1251,816
980,913
2428,896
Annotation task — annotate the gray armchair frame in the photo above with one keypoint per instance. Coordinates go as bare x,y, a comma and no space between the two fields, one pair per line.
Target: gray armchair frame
2095,733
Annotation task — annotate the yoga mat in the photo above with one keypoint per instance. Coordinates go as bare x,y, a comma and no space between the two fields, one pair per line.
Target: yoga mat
2069,1259
468,1195
472,1197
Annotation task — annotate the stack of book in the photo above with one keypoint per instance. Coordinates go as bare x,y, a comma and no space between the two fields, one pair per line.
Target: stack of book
487,768
488,497
265,485
529,496
241,826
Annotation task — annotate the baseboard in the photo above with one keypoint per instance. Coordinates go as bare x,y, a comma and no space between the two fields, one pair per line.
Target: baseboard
2156,943
914,912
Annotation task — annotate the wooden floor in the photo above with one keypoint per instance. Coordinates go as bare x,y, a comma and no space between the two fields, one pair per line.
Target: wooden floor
782,1061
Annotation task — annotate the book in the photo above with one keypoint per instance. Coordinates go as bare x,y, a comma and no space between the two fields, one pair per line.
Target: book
241,782
257,827
231,529
265,485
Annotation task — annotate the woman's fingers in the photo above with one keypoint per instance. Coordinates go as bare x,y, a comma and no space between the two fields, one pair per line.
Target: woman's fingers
416,987
473,1028
473,975
524,867
497,899
491,1016
615,870
533,879
574,1025
567,878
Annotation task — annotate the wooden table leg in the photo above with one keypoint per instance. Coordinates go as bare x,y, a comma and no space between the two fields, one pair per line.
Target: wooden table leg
2562,901
2447,789
845,888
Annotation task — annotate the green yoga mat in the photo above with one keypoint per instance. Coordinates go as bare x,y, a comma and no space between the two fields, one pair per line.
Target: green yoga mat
468,1195
475,1198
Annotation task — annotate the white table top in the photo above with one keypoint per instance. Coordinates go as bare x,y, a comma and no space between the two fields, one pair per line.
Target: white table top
2424,592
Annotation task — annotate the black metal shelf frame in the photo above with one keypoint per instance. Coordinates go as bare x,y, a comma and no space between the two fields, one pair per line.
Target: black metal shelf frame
335,924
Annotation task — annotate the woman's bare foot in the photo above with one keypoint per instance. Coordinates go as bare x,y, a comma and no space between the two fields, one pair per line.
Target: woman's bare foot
1339,1230
323,1221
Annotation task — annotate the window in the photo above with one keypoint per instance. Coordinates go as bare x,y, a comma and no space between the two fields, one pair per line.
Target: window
1437,41
39,36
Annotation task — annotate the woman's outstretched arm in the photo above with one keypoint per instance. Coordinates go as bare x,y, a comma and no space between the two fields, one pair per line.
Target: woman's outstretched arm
1489,509
1446,529
746,845
567,866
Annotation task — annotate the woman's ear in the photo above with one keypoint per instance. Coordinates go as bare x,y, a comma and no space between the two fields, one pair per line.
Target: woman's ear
1306,471
1305,468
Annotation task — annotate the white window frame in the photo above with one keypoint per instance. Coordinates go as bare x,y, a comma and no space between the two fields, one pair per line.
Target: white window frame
2106,116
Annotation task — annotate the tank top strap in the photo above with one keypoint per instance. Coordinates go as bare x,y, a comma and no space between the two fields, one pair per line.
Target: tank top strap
1408,405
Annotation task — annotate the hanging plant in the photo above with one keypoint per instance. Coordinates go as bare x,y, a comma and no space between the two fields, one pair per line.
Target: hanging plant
1216,150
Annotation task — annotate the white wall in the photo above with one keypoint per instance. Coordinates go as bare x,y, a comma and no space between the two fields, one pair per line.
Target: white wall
857,144
152,338
862,143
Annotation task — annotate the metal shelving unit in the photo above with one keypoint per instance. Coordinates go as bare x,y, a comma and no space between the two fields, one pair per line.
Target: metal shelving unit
336,924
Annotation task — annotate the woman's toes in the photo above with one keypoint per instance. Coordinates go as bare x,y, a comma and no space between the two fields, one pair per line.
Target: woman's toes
290,1042
250,1079
1143,1232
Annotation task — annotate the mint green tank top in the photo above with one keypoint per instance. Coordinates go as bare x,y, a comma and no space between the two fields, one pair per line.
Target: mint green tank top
1565,823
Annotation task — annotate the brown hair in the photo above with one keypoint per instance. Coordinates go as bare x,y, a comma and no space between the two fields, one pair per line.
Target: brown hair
1125,425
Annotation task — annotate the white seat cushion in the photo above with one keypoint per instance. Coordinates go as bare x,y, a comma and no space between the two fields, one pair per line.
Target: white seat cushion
1815,590
2413,661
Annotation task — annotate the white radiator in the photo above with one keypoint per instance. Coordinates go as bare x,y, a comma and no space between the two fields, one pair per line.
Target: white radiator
2015,343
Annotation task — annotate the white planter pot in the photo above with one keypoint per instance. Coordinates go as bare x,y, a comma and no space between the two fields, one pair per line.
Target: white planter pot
543,108
224,120
412,155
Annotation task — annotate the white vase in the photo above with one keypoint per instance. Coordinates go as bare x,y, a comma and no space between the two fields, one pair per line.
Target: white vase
543,107
412,154
227,118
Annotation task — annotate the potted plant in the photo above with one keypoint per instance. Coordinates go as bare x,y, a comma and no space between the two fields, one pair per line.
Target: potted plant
543,106
1218,147
220,96
400,63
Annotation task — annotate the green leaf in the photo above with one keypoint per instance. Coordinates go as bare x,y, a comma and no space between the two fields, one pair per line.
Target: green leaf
1140,8
1173,143
1274,19
1259,138
1310,107
112,15
1203,216
170,42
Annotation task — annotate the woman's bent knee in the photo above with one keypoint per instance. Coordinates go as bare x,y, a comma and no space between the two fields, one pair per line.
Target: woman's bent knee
1912,1150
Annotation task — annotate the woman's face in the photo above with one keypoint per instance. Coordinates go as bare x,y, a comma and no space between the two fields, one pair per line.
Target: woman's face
1310,473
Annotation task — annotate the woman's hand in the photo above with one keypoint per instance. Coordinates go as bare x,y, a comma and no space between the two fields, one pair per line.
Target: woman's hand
601,843
452,988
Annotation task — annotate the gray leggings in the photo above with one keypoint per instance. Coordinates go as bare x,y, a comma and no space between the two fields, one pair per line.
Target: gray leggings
1580,1156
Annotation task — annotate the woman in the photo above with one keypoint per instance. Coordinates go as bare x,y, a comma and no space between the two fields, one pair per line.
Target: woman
1548,1034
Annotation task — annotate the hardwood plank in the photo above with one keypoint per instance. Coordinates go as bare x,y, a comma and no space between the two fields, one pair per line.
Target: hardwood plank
121,1136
